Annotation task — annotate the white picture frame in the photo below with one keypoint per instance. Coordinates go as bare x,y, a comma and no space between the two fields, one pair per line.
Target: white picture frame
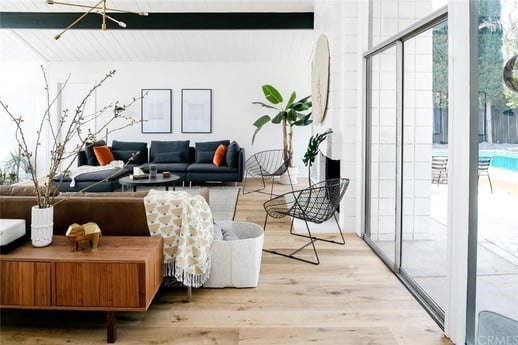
196,110
157,111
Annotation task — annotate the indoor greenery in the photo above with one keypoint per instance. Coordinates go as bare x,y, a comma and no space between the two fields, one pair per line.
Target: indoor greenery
313,149
70,133
293,113
14,164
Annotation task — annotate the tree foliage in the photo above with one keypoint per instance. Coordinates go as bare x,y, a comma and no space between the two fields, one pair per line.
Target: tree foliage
490,58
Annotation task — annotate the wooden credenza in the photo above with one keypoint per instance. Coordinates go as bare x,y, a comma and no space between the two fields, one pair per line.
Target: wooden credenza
123,274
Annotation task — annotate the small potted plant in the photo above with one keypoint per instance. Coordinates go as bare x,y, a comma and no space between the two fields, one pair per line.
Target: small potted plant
313,149
152,171
16,164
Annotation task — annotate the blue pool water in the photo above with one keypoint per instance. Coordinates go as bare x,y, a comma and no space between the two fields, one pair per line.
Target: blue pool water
502,159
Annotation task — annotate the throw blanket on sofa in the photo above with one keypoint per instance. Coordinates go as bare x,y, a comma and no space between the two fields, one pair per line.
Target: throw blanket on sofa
85,169
185,222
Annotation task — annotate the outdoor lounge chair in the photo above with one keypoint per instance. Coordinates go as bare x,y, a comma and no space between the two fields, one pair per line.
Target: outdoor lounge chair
483,169
439,169
315,204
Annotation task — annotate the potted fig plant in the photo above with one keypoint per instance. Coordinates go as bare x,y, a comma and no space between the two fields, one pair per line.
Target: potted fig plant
289,115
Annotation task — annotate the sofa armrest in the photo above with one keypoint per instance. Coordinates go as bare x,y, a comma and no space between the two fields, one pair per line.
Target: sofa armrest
241,165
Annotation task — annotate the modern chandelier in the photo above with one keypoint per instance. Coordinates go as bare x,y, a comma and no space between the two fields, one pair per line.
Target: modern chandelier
99,8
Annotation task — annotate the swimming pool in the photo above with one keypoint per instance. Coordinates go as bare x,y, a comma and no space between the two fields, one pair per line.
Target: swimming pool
502,159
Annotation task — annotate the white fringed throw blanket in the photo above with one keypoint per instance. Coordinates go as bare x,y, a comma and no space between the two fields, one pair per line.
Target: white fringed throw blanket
185,223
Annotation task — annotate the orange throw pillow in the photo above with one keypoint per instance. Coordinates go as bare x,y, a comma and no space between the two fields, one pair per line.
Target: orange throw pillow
220,156
103,154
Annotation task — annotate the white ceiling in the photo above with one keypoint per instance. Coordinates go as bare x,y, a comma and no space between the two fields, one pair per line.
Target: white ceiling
162,45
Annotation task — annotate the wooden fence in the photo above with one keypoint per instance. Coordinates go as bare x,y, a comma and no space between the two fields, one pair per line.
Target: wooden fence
503,126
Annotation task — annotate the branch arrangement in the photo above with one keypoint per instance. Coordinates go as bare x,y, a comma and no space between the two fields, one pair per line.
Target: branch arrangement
71,133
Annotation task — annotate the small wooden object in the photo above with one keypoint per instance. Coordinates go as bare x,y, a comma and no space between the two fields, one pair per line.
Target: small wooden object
166,174
80,236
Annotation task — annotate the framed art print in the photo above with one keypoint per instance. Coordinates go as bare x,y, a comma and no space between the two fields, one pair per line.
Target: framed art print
156,111
196,110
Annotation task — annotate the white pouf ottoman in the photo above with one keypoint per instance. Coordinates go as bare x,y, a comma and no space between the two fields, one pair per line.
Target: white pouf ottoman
237,263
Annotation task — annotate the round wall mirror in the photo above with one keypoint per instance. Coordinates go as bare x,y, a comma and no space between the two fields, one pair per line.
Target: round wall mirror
320,79
511,73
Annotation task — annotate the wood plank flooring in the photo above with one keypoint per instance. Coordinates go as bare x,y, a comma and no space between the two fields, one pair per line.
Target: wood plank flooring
351,298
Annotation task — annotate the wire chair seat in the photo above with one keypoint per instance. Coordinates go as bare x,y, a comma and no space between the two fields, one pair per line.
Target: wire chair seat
266,164
315,204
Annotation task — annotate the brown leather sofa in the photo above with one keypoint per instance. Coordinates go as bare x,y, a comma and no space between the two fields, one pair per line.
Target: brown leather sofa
117,213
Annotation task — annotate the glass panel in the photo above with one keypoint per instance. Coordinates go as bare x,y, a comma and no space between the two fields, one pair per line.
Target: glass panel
388,17
381,146
497,262
425,174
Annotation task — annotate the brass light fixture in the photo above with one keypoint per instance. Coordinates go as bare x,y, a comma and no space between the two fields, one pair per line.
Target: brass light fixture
99,8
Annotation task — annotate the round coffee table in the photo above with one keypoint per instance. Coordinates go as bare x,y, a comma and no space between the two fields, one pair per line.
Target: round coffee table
159,180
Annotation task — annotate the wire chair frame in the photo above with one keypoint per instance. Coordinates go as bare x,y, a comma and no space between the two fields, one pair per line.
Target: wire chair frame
266,165
315,204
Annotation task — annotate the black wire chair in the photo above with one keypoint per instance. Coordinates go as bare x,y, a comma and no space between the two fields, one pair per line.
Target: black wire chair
266,165
315,204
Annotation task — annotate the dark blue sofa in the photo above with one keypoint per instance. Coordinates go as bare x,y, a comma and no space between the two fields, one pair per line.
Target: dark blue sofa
192,164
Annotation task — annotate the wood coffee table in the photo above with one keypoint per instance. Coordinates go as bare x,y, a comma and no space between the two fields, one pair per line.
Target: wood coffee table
159,180
122,274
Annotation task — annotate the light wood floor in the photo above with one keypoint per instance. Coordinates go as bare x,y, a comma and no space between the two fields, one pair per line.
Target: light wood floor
351,298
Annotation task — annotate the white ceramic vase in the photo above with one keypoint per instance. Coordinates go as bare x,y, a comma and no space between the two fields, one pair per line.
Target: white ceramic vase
42,225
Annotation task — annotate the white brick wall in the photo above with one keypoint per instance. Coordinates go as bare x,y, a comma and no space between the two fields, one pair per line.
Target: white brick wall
345,23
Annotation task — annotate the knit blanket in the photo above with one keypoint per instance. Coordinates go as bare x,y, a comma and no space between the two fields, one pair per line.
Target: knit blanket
186,225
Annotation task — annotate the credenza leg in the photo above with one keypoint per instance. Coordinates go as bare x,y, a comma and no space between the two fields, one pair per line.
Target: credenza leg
111,327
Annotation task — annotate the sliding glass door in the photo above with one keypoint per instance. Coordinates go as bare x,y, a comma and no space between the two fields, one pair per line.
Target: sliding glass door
381,154
407,159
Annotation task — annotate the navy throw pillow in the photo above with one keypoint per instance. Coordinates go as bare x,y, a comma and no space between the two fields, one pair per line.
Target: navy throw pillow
169,157
205,150
125,155
181,146
204,156
232,154
133,146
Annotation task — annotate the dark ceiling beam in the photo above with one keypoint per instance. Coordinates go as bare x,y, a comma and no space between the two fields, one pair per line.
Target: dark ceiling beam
162,21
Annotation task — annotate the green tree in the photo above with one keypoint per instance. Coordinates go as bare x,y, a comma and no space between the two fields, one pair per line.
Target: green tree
490,57
440,65
510,23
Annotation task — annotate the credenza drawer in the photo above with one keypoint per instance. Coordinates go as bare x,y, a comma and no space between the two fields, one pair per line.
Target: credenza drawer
25,283
106,284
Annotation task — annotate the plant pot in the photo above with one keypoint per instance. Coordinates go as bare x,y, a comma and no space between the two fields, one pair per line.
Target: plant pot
152,171
294,174
42,225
